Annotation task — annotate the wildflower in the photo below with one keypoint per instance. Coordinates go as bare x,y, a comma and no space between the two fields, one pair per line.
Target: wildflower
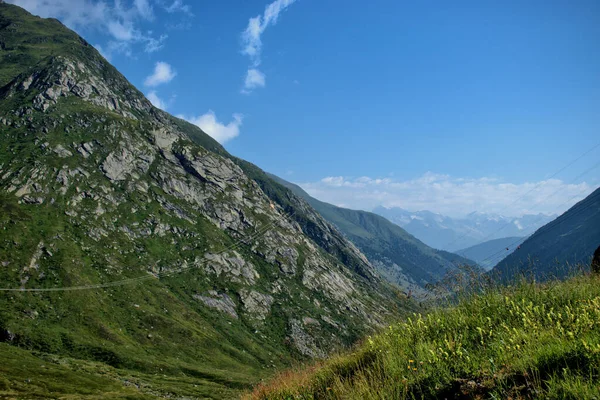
411,361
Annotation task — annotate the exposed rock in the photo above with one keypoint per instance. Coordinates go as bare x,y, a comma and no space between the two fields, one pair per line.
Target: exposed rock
329,281
32,200
303,342
164,139
596,261
62,152
233,266
329,321
209,168
221,302
256,304
310,321
118,164
85,149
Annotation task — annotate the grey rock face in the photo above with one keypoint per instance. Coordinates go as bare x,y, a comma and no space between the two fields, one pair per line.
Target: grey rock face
62,152
304,342
327,280
220,302
232,267
127,162
256,304
64,77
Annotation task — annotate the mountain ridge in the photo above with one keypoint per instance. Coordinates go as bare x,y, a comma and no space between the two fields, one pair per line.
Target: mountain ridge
560,247
453,234
99,186
399,256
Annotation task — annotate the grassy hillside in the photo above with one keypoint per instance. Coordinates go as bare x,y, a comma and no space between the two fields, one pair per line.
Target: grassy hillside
526,341
398,255
569,240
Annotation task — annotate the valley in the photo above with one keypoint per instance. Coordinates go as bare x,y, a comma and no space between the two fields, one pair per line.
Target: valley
143,256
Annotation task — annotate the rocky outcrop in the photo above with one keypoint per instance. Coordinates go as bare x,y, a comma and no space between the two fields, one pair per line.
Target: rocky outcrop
229,266
221,302
596,261
256,305
64,77
303,342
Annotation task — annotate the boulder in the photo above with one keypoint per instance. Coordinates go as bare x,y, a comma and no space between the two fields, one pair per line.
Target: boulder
596,261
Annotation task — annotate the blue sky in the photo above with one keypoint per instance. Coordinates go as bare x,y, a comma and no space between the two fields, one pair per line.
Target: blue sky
447,106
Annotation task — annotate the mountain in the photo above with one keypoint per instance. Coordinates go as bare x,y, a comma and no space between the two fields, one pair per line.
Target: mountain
556,248
452,234
399,256
137,257
487,254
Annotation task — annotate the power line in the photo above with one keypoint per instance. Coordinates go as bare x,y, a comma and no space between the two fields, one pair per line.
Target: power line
499,255
544,200
138,279
532,189
550,225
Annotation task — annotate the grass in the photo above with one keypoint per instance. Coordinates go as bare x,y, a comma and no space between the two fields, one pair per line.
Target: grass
524,341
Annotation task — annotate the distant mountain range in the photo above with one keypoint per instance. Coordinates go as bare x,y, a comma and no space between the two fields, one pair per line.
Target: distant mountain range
452,234
397,254
487,254
555,248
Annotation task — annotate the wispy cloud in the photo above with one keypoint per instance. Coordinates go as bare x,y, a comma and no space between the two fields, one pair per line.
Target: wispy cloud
144,9
156,101
122,24
219,131
252,43
450,196
177,6
163,73
254,79
73,13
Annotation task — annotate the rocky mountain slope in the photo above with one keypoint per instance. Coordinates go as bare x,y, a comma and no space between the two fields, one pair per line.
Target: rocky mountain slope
399,256
487,254
155,259
557,248
453,234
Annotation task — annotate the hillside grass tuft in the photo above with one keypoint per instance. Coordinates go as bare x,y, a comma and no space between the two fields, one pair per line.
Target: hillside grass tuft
528,340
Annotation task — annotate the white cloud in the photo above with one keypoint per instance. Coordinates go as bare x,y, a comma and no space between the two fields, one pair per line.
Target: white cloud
73,13
156,101
163,73
153,44
218,131
122,31
254,79
144,9
251,37
450,196
120,23
178,6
